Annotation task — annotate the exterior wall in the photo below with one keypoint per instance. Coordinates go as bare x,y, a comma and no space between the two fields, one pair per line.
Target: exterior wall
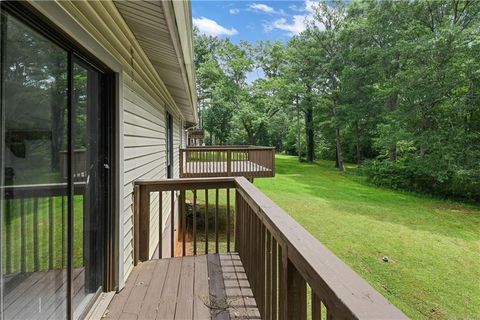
144,158
143,102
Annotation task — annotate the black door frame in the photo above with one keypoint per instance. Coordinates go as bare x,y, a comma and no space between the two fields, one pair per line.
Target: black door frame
28,15
169,144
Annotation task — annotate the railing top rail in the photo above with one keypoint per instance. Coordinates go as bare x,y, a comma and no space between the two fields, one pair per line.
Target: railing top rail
216,148
186,184
327,274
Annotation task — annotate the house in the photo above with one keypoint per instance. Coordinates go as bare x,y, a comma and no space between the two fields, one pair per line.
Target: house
105,212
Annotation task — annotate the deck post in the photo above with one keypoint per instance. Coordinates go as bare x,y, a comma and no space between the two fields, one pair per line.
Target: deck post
136,226
143,222
181,161
273,162
229,163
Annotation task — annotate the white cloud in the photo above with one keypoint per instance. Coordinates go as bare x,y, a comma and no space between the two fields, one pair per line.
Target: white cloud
296,8
296,26
234,11
265,8
262,7
309,4
212,28
297,23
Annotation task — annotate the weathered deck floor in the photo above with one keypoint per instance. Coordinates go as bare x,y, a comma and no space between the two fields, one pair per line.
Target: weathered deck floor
212,286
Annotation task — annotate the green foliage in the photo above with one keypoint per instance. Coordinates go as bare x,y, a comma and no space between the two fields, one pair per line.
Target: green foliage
392,83
412,174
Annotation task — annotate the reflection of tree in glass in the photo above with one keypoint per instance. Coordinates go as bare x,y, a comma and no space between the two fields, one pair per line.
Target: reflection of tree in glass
80,76
35,86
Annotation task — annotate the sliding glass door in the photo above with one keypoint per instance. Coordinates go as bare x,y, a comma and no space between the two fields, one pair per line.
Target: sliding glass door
54,175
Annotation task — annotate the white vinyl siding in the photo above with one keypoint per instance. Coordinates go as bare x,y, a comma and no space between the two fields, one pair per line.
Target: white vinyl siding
145,158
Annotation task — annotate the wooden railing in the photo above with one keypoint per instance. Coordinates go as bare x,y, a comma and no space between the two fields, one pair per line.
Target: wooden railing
35,225
227,161
285,265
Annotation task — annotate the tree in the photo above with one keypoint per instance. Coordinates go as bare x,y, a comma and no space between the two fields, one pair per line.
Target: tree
324,29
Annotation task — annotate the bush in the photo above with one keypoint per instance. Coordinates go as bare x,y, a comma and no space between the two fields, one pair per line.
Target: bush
466,183
420,175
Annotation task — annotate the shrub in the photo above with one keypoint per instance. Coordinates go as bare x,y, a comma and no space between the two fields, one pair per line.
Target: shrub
421,175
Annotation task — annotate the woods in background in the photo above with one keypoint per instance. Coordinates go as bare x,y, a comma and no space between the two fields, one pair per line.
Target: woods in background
391,85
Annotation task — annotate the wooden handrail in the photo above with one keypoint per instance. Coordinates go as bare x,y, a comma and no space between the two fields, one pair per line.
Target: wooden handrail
280,257
226,147
343,291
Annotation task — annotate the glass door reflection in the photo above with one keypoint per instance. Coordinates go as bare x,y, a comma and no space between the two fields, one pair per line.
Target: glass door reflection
34,211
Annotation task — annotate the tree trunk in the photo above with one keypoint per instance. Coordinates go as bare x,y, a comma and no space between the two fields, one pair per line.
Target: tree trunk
392,102
251,138
338,143
393,152
357,142
310,133
299,141
341,166
58,130
337,165
57,117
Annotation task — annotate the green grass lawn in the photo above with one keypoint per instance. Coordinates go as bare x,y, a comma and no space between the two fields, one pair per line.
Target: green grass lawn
433,245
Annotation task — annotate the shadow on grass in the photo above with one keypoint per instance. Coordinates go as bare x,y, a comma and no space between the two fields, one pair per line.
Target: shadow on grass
213,224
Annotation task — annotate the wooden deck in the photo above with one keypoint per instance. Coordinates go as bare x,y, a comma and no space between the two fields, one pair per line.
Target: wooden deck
227,161
212,286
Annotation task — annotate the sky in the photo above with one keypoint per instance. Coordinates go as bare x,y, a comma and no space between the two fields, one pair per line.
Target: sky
251,20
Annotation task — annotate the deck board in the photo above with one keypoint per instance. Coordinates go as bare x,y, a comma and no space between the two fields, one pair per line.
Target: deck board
201,293
185,291
193,287
167,305
154,292
218,297
232,288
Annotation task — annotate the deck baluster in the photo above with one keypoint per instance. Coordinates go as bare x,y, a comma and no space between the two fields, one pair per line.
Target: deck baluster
228,219
36,259
172,223
51,246
216,221
183,217
206,221
23,240
195,222
160,224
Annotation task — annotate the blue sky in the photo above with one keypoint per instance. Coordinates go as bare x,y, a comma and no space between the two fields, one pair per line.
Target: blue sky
251,20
